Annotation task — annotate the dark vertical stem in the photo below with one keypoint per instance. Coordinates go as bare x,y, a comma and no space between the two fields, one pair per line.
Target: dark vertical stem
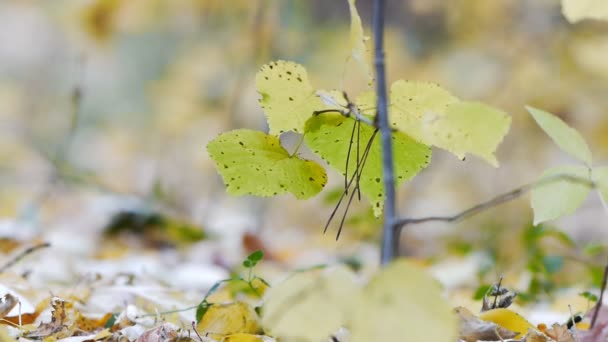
389,243
600,301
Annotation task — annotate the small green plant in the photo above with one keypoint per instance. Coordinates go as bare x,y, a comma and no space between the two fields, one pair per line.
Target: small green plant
589,296
375,153
249,282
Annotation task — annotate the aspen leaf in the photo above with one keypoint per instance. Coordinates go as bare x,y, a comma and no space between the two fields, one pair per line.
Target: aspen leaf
309,306
255,163
433,116
288,99
470,127
577,10
403,302
329,136
411,104
566,137
559,197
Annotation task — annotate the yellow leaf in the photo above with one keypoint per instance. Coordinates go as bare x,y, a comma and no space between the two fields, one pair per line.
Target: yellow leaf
105,333
288,98
508,319
225,319
240,337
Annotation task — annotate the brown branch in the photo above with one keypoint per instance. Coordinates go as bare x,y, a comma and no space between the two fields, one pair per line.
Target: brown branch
496,201
600,300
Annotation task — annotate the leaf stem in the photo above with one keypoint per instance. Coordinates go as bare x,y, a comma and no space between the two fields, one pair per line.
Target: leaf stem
298,146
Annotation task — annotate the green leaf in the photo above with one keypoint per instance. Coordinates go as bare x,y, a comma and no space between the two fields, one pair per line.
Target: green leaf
111,321
254,163
403,300
481,291
247,263
589,296
576,10
532,234
553,263
433,116
593,249
254,258
288,99
201,310
328,135
597,275
309,306
567,138
600,176
472,127
559,197
562,237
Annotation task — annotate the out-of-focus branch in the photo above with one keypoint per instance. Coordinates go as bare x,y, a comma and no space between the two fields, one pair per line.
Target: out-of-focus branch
498,200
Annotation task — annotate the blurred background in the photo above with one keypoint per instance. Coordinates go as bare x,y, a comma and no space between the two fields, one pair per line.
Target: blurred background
106,107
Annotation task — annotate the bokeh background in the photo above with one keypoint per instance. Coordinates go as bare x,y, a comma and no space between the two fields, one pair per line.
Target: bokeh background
106,107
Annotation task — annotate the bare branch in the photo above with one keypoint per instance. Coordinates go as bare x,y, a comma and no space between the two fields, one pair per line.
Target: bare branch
600,300
498,200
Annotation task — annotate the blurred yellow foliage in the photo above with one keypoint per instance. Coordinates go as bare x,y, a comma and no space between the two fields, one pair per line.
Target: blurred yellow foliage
99,18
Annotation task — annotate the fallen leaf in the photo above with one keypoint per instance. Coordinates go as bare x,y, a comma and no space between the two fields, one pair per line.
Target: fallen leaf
472,328
26,318
508,319
534,336
226,319
57,323
164,332
89,325
241,337
7,303
560,333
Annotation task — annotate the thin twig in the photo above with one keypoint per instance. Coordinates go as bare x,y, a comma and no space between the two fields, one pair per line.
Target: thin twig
500,199
358,150
350,145
360,166
196,331
600,300
23,254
